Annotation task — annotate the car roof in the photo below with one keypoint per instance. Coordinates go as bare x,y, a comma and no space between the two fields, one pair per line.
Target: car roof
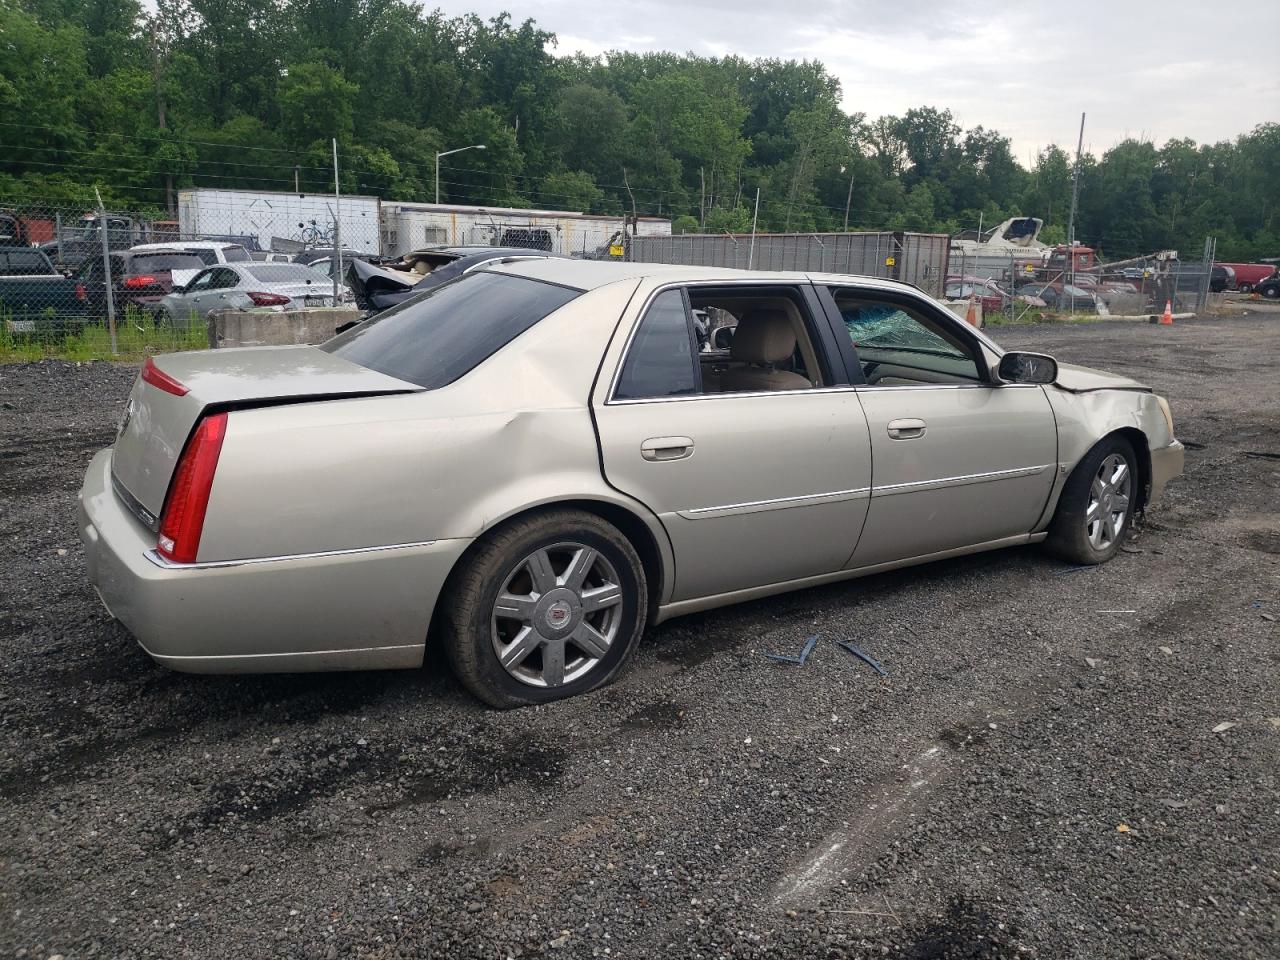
184,244
590,274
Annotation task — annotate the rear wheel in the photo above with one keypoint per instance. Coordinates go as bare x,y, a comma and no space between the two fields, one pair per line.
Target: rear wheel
1095,511
545,608
1245,288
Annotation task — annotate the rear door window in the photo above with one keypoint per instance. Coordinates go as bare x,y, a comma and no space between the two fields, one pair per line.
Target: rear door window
435,338
235,254
660,362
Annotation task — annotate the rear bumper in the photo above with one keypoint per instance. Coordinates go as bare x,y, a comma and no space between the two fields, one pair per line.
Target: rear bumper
1166,463
345,610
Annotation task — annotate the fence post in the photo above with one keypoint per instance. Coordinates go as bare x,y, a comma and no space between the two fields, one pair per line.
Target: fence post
337,225
106,271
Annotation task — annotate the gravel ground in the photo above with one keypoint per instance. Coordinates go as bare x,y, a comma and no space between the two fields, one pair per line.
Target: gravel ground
1036,777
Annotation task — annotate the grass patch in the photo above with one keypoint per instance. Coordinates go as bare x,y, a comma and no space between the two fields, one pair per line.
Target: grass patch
137,336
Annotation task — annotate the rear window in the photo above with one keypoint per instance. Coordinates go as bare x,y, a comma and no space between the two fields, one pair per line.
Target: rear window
165,261
435,338
205,255
281,273
29,263
235,254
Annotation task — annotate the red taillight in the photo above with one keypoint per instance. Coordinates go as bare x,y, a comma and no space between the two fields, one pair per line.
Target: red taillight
135,283
158,378
182,519
80,292
268,299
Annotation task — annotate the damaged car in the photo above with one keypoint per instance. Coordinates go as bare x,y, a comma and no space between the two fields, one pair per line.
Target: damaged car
534,462
378,286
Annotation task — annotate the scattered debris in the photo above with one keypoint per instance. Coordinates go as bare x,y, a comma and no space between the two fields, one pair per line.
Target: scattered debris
1117,611
1122,828
1167,651
1223,727
1087,566
863,656
1174,804
797,661
1093,664
1260,454
1274,721
1269,617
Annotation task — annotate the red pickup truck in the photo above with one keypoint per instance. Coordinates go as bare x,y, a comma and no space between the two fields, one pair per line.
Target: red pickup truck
1249,275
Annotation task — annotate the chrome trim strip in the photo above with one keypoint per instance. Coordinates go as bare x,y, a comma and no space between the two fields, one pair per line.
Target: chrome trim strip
133,505
780,503
890,489
164,564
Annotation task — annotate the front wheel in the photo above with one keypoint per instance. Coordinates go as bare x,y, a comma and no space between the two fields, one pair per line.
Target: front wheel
1245,288
1095,511
1271,292
545,608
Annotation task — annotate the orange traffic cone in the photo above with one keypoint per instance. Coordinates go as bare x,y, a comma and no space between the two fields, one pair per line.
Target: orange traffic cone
971,318
1167,319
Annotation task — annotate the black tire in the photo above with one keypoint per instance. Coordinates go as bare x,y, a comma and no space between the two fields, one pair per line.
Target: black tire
467,607
1245,288
1271,291
1070,531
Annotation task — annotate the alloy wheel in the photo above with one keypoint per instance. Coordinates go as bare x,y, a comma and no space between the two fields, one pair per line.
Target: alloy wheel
1108,502
557,614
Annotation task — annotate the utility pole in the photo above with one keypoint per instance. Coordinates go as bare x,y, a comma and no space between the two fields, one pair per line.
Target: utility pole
296,189
751,251
1075,192
702,201
157,75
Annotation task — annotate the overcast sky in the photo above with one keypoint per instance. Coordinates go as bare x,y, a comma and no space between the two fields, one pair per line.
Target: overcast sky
1156,69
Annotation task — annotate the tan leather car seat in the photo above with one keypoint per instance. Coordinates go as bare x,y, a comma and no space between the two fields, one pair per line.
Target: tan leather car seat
764,338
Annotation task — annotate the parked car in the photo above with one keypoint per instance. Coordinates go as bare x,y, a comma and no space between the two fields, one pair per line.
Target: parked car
72,252
1247,276
957,288
532,463
1270,288
245,286
138,278
209,251
1221,278
325,253
31,291
266,256
378,287
1061,296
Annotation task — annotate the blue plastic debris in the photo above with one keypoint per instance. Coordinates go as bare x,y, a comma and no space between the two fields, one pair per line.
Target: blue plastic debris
863,656
797,661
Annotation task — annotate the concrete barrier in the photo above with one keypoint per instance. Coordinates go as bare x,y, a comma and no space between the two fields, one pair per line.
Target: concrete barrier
261,328
961,309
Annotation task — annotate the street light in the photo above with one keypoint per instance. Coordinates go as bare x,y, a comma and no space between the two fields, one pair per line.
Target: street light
474,146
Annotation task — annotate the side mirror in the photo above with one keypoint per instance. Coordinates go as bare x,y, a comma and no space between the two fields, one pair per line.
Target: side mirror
1028,368
723,337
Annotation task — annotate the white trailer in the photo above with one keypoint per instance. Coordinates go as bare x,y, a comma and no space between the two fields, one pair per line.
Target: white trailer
413,226
284,222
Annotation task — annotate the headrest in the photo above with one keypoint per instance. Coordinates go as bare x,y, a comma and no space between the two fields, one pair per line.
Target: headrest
764,335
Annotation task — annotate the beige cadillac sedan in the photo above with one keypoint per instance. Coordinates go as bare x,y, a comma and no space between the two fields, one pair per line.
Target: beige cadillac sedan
535,461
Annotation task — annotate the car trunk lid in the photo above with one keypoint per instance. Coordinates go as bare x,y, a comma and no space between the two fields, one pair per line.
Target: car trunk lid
168,401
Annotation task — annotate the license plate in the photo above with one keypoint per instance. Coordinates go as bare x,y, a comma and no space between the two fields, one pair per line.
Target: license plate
314,301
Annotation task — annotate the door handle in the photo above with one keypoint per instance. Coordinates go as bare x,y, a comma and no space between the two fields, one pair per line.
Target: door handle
666,448
906,429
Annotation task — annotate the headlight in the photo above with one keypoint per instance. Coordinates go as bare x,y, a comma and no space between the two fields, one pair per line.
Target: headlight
1168,414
